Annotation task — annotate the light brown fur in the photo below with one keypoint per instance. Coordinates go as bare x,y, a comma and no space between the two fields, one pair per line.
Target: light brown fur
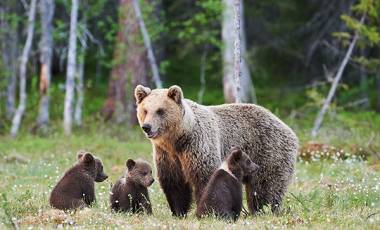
190,141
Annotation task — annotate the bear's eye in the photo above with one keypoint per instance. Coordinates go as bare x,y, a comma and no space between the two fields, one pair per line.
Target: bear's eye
248,162
145,112
160,112
144,173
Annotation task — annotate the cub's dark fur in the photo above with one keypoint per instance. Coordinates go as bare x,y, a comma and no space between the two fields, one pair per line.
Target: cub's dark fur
130,193
76,188
223,194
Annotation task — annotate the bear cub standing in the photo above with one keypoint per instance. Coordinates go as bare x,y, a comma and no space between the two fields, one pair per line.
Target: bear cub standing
76,188
223,194
130,193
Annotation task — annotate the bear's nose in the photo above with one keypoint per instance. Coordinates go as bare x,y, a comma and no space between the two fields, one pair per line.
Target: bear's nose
146,128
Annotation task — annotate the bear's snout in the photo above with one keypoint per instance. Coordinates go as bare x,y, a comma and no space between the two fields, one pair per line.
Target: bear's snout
147,128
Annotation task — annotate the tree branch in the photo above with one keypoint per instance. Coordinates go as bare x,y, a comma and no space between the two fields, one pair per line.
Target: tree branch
338,76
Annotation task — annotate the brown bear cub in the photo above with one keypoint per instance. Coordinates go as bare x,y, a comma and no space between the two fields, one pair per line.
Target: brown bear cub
76,188
223,194
130,193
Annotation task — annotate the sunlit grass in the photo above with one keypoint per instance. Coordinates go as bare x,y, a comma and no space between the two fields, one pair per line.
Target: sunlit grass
326,193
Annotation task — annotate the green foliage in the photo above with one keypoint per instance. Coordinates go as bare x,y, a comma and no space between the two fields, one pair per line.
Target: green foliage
201,28
369,31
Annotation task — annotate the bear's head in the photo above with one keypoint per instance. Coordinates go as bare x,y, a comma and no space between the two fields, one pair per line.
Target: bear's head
240,164
91,165
159,111
140,172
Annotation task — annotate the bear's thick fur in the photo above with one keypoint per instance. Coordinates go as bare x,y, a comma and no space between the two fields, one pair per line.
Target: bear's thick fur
190,141
130,193
76,189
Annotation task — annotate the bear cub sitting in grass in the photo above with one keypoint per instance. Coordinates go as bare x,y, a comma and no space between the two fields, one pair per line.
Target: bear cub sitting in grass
76,188
130,193
223,194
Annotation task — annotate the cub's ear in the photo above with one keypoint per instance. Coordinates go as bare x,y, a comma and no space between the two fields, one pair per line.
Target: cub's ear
236,154
234,148
141,92
175,93
80,154
87,158
130,164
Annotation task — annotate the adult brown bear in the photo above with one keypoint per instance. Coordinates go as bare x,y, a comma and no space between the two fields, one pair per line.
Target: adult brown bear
190,141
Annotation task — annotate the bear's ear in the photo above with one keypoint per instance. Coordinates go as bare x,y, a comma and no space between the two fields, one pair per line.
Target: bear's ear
80,154
141,92
87,158
175,93
130,164
236,154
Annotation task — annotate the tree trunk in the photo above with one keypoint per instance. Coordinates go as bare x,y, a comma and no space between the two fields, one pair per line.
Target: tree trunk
326,104
24,60
79,76
71,66
9,53
46,49
12,80
237,49
79,89
148,44
129,70
229,87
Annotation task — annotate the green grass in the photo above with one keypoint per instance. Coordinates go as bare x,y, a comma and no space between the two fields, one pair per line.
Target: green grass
325,194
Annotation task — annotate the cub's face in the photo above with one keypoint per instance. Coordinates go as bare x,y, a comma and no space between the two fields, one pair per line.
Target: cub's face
159,111
100,175
241,160
140,172
93,165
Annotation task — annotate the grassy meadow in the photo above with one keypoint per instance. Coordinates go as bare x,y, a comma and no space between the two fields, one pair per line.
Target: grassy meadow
336,186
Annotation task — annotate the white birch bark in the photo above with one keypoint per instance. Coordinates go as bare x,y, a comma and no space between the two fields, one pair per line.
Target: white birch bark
71,66
79,90
46,49
338,76
79,76
237,50
148,45
24,60
228,37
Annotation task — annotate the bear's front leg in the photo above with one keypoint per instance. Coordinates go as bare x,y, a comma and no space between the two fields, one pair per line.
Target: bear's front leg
177,190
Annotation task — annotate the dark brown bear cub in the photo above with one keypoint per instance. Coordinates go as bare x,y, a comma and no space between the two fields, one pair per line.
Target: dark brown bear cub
76,188
223,194
130,193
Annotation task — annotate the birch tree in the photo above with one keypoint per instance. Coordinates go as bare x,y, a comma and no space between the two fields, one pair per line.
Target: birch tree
71,69
22,77
229,21
148,44
80,75
338,76
46,51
